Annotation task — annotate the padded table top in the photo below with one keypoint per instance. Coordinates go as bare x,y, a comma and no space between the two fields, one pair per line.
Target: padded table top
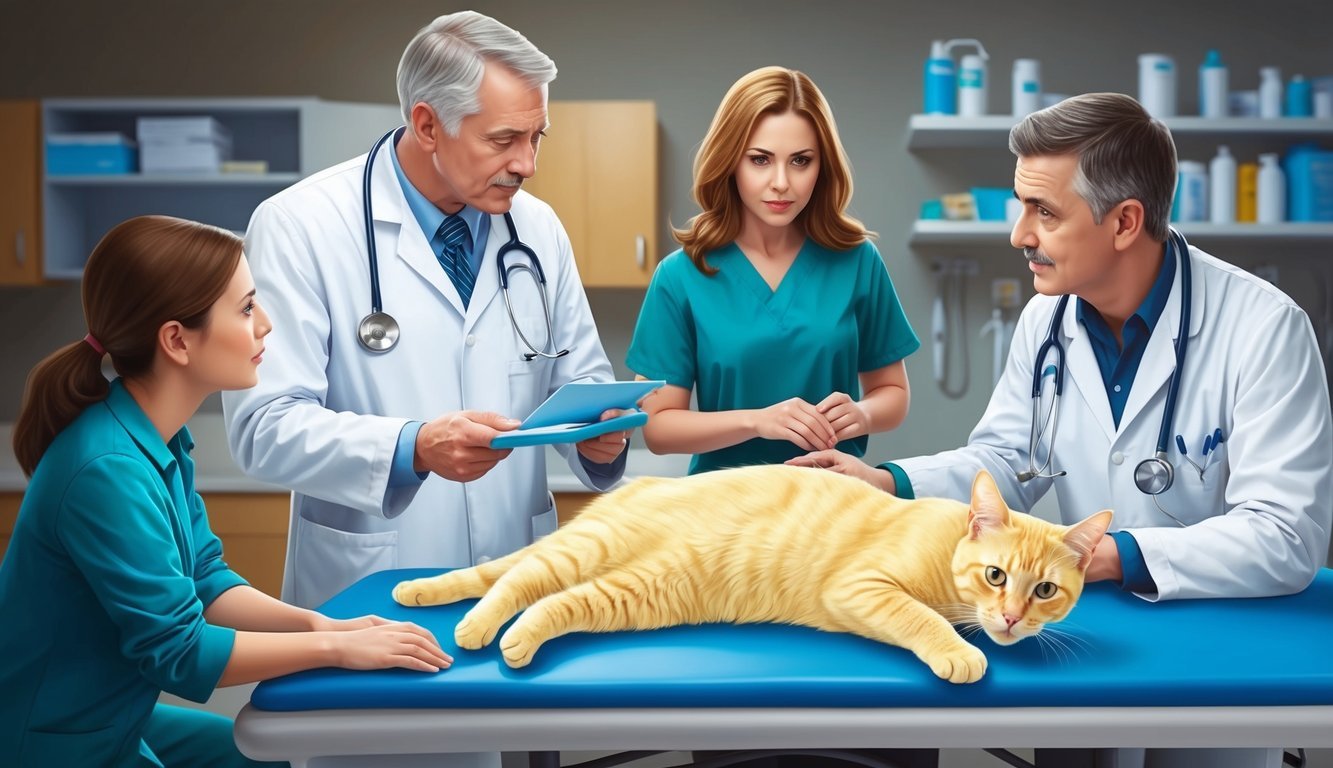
1119,650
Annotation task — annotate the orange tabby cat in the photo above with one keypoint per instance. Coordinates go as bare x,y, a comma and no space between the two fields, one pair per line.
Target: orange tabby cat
781,544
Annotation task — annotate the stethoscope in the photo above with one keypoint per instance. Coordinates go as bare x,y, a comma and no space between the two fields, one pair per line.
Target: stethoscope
379,331
1153,475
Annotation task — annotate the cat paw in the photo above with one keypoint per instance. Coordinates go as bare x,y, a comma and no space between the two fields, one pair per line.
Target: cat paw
416,592
958,665
472,634
518,649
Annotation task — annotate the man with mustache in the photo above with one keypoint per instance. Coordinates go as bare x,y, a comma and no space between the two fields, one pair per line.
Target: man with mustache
385,440
1246,441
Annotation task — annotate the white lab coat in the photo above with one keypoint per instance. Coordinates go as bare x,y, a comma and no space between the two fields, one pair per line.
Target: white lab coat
326,415
1258,522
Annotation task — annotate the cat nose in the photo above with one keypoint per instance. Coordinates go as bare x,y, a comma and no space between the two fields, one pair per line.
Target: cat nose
1011,620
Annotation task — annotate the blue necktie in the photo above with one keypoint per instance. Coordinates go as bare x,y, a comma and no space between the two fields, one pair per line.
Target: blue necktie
457,242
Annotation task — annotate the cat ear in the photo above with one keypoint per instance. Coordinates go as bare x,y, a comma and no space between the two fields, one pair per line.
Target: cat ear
1085,536
988,511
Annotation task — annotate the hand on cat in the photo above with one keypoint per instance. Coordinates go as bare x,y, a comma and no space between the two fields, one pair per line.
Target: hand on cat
604,449
457,445
797,422
391,644
845,415
846,464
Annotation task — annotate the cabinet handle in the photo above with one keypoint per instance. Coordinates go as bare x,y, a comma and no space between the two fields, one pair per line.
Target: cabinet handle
20,249
640,251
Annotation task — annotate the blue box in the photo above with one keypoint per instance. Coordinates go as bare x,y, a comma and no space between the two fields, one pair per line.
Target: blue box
1309,172
990,202
81,154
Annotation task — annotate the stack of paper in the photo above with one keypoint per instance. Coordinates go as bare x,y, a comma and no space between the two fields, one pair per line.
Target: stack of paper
571,413
182,144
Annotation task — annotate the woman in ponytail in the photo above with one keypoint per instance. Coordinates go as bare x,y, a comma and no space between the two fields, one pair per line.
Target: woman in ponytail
113,588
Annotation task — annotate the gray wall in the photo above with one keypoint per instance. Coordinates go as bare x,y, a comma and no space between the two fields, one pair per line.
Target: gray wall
867,57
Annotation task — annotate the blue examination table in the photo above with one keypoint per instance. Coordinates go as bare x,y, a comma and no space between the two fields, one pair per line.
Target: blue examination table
1121,672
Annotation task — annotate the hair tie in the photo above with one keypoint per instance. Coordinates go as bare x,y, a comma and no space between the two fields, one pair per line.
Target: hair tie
92,342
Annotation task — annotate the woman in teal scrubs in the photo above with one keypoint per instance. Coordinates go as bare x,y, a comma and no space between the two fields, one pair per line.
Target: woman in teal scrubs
113,588
778,311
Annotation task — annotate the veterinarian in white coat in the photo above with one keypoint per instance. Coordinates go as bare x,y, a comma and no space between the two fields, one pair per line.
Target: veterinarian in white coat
335,420
1247,517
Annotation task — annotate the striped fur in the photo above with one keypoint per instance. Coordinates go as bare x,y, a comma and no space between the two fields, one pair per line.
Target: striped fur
780,544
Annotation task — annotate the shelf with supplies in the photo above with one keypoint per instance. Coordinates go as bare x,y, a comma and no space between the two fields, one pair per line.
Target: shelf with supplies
275,141
996,233
992,131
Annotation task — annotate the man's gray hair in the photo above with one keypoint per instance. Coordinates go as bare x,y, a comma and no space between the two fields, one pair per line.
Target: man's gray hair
444,64
1123,153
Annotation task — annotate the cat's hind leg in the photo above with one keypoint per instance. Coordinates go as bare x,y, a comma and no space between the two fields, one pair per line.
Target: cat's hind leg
881,611
605,604
455,585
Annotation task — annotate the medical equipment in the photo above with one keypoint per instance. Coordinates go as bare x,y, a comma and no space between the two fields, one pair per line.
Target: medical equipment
1153,475
379,331
947,320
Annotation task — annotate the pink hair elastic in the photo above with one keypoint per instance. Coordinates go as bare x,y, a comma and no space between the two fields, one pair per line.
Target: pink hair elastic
92,342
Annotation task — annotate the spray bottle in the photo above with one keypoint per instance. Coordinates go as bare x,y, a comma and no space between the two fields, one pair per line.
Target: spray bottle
941,79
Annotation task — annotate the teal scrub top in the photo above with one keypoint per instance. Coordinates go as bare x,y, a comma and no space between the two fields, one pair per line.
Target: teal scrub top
741,345
103,590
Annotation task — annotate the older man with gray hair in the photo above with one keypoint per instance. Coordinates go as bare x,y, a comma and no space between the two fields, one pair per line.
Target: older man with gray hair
381,421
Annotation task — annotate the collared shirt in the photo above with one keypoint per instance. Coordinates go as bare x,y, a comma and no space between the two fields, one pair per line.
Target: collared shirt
430,218
1120,365
103,589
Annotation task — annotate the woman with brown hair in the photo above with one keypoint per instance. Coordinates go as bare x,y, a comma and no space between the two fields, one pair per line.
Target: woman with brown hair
778,311
113,588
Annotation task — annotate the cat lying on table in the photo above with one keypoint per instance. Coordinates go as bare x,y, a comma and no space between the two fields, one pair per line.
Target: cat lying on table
786,544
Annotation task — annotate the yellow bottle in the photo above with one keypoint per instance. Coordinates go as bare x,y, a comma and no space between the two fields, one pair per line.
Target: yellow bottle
1247,187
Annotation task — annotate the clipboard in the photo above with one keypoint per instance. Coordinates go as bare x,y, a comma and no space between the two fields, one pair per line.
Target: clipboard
570,414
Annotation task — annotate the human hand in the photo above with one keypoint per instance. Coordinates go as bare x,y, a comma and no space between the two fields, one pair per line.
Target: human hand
391,644
847,417
797,422
604,448
846,464
456,446
1105,563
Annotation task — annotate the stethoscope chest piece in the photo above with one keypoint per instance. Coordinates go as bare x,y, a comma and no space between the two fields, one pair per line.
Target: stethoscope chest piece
378,332
1154,475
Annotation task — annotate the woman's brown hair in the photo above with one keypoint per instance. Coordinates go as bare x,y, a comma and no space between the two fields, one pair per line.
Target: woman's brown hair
145,272
763,92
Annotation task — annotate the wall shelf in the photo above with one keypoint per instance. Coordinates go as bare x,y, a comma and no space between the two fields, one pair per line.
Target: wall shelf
996,233
992,131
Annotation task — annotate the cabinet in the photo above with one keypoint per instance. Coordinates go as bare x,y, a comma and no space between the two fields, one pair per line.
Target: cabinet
1196,139
20,193
295,137
598,169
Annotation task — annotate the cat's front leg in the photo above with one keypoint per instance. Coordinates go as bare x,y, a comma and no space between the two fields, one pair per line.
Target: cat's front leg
883,612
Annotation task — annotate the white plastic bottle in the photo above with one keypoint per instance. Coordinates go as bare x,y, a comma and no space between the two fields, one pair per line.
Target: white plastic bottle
1272,191
1222,184
972,85
1027,87
1191,191
1157,84
1270,92
1213,86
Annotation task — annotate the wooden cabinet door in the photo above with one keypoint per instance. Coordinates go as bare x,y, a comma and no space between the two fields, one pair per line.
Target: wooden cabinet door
598,169
20,193
620,245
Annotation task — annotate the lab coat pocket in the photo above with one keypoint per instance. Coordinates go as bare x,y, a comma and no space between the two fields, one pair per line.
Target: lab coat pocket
64,748
545,522
529,385
328,560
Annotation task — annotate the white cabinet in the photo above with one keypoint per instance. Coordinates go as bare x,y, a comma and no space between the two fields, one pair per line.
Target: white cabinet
1196,138
295,137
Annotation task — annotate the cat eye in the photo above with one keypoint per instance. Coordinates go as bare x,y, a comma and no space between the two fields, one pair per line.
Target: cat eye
994,576
1045,590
